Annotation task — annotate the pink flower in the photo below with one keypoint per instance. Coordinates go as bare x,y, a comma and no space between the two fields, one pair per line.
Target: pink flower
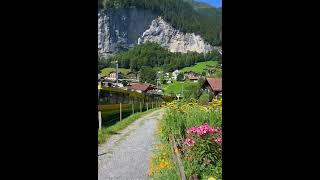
218,140
191,130
189,142
202,130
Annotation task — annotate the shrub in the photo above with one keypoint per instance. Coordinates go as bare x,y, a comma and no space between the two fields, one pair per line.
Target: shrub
204,98
197,130
180,77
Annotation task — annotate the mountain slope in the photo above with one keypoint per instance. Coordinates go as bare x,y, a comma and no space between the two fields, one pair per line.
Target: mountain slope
189,17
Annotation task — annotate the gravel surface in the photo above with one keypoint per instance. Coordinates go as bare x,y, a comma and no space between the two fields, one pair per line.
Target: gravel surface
126,154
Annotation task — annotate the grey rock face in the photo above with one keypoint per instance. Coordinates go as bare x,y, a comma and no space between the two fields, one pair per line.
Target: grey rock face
163,33
119,29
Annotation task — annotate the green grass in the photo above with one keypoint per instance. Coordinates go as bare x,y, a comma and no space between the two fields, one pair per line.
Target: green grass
106,132
198,68
106,71
176,87
177,122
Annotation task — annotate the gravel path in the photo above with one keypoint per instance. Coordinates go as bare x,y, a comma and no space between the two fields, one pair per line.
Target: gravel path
126,154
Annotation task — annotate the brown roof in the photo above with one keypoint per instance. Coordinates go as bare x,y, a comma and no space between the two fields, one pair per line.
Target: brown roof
215,83
193,78
140,86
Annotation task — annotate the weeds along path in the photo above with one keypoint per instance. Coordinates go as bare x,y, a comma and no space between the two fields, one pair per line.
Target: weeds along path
126,154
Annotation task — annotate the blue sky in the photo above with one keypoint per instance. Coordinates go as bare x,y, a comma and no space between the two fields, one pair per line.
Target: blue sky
216,3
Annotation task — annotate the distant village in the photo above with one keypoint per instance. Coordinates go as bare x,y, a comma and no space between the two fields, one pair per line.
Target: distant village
131,81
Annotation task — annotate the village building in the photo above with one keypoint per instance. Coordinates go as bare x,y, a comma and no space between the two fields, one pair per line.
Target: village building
175,74
191,75
214,85
193,79
113,75
142,87
133,75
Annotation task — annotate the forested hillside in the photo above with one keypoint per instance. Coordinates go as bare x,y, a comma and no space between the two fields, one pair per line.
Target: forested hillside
153,55
185,16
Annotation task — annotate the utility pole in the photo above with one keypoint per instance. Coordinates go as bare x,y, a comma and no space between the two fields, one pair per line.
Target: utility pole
117,70
182,91
158,86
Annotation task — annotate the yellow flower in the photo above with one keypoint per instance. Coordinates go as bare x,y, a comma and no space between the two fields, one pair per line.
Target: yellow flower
176,150
163,164
212,178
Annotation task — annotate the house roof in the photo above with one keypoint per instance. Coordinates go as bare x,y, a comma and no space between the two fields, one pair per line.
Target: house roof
215,83
193,78
140,86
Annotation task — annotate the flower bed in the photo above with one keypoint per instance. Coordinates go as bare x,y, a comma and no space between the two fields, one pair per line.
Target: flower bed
198,133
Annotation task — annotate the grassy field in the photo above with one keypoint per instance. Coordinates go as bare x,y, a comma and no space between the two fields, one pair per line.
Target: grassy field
175,87
106,71
198,68
106,132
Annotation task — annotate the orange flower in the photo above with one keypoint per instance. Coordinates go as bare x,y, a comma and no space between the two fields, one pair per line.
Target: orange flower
190,158
163,164
176,151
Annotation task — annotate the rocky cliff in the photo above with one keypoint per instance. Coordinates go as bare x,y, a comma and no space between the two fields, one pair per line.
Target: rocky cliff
120,29
163,33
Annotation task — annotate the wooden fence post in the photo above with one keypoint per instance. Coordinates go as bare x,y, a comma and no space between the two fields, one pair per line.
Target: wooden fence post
132,106
120,113
177,158
147,106
140,107
100,119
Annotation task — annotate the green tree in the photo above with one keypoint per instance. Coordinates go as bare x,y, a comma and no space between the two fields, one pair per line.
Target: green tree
218,73
180,77
204,98
147,74
201,82
153,55
192,91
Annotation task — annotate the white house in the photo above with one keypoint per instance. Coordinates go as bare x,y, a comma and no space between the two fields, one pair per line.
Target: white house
175,74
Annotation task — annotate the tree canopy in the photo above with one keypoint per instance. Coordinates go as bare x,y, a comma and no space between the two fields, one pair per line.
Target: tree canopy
153,55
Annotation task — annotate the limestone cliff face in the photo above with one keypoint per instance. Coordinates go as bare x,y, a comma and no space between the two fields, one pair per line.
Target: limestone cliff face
119,29
163,33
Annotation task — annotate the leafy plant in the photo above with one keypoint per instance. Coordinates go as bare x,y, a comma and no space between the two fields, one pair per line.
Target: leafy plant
197,129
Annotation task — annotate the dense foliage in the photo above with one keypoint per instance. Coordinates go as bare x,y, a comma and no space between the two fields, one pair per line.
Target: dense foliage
194,90
153,55
148,75
197,131
180,77
187,17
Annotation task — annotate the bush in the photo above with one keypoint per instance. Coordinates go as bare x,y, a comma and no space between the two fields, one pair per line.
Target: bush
180,77
198,133
204,98
148,75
